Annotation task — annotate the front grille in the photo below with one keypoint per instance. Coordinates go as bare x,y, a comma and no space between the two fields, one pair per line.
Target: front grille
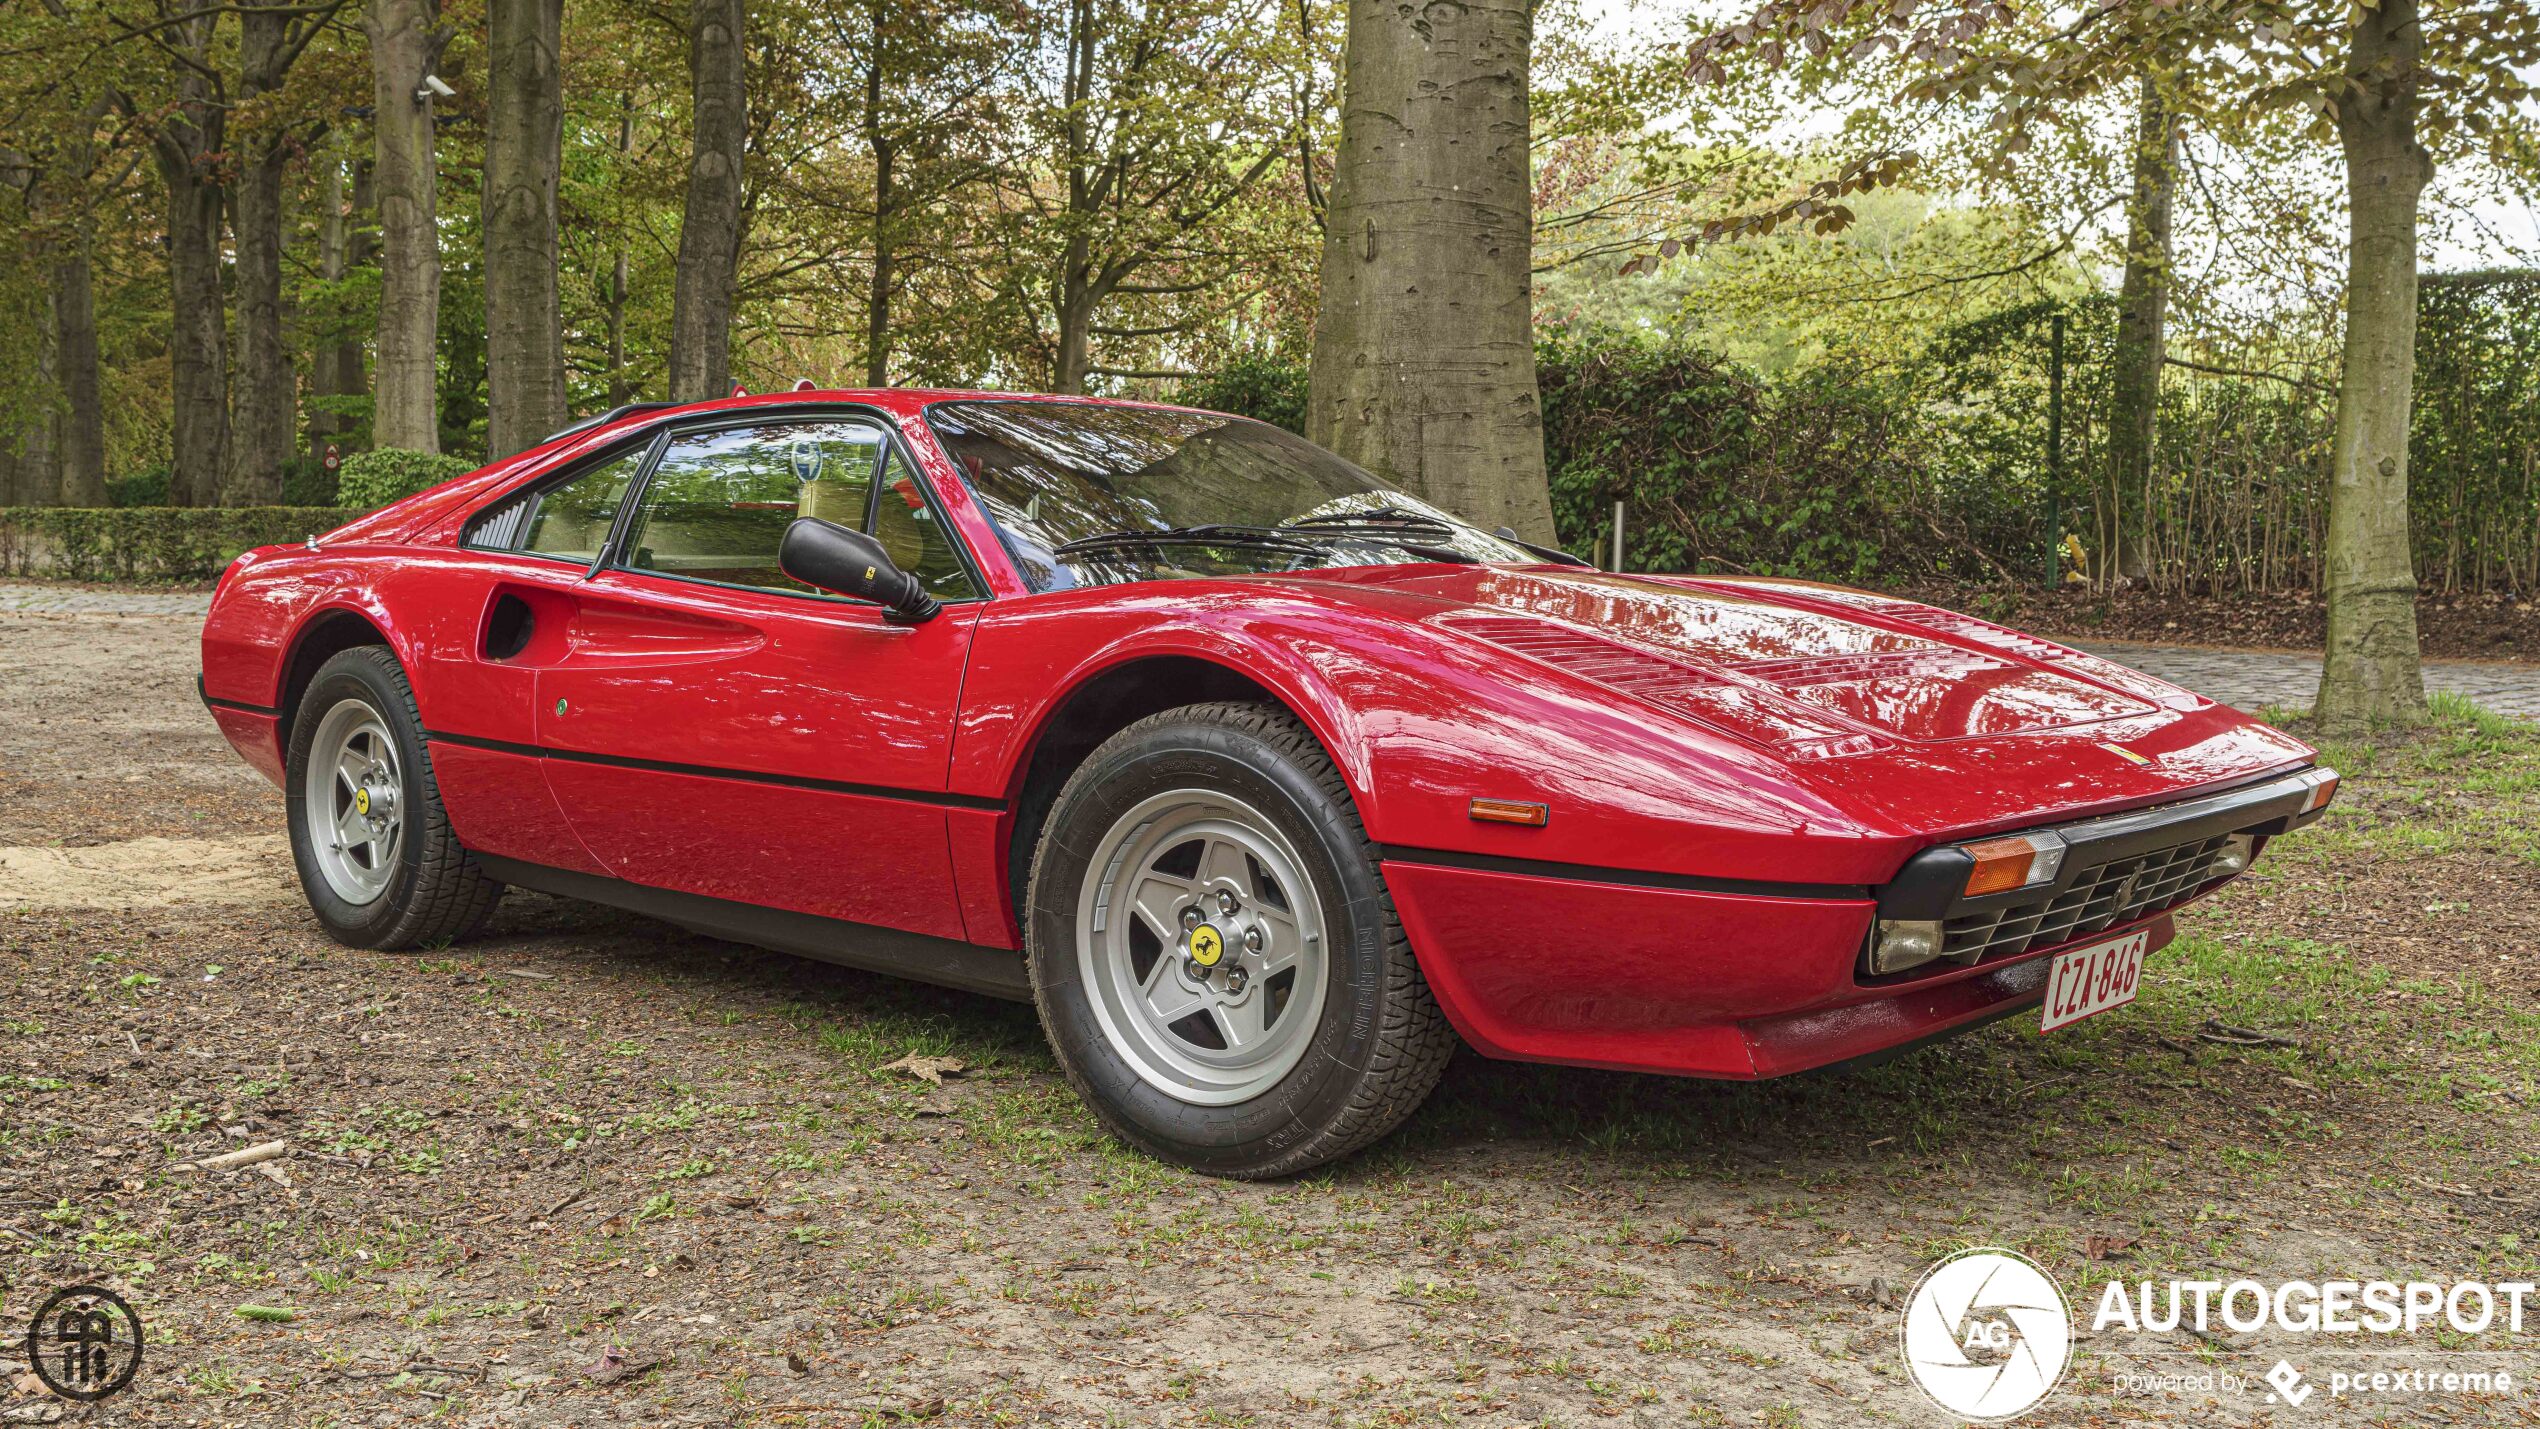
2115,892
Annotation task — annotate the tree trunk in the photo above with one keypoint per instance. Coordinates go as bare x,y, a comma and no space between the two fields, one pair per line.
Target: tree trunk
263,395
2142,319
877,302
621,391
1075,312
406,413
38,457
345,248
1424,363
524,320
198,339
710,229
2372,674
80,452
335,237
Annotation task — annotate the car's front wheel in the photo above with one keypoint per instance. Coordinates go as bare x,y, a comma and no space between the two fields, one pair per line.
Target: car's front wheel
375,852
1215,956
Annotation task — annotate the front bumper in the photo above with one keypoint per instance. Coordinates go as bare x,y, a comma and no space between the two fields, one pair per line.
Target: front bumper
1700,981
2115,871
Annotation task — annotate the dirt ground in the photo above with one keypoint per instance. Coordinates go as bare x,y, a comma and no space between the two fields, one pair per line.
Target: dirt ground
590,1170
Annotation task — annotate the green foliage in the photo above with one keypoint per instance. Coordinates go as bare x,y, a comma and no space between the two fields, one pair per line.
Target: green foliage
2474,444
1720,470
1262,386
148,543
145,488
307,482
372,479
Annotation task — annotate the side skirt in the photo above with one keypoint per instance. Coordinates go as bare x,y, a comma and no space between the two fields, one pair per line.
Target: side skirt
943,961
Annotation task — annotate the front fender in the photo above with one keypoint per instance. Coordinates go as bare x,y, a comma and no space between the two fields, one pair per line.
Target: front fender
1421,722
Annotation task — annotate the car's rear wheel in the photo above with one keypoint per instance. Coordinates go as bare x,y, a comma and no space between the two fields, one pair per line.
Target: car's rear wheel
1214,954
376,856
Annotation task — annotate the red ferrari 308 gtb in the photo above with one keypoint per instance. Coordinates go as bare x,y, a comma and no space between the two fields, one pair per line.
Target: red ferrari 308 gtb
1263,781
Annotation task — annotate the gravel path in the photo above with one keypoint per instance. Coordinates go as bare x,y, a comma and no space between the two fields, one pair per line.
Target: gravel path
2250,679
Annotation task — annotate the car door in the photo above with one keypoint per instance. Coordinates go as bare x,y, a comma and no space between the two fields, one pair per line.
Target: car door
719,729
482,620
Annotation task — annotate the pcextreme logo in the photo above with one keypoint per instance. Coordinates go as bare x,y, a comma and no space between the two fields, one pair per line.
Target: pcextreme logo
1987,1334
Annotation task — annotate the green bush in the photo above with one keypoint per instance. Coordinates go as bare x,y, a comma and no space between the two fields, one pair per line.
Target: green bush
148,543
147,488
1262,387
1719,469
372,479
307,482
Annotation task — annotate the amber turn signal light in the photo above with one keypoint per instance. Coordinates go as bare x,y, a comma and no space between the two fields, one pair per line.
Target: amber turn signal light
1510,811
2017,861
2323,790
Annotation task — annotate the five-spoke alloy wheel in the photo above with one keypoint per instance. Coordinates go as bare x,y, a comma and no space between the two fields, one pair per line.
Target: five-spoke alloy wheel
1215,957
1201,941
376,856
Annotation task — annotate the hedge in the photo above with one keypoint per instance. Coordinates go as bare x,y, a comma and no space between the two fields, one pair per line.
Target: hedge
149,543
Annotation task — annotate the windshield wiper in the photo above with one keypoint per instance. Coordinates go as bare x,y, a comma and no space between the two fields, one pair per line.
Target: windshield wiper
1259,537
1553,554
1386,515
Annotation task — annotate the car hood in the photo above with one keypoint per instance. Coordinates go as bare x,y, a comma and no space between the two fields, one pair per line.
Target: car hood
1815,670
1914,719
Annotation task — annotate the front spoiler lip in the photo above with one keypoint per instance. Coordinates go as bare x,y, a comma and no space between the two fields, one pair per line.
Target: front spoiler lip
1932,884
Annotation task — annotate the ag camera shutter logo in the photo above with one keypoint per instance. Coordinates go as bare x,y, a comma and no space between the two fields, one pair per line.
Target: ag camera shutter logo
1987,1335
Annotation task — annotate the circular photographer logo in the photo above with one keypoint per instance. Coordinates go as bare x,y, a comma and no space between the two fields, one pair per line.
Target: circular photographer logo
1987,1334
85,1342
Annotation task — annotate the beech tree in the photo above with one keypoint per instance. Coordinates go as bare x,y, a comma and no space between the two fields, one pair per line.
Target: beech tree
1159,120
264,398
2142,322
185,115
405,42
61,457
524,155
924,77
710,226
339,368
1423,368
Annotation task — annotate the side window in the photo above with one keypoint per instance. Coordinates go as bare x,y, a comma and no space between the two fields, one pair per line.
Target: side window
718,505
568,521
908,529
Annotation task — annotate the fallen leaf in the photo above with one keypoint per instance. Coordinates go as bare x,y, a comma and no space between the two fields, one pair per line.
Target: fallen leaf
795,1362
2108,1247
615,1364
930,1070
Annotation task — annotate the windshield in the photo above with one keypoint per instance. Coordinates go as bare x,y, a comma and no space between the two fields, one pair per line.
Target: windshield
1087,494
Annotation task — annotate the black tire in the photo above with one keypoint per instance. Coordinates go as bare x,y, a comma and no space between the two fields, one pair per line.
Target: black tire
1381,1042
435,893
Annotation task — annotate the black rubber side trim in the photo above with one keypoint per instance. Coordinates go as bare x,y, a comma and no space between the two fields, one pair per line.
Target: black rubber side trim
947,962
704,771
1623,877
241,705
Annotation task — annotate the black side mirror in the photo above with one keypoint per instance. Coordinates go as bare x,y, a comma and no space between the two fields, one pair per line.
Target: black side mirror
831,557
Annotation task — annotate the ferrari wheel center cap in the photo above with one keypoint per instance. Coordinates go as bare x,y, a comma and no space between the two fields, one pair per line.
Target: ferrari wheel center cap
1208,945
